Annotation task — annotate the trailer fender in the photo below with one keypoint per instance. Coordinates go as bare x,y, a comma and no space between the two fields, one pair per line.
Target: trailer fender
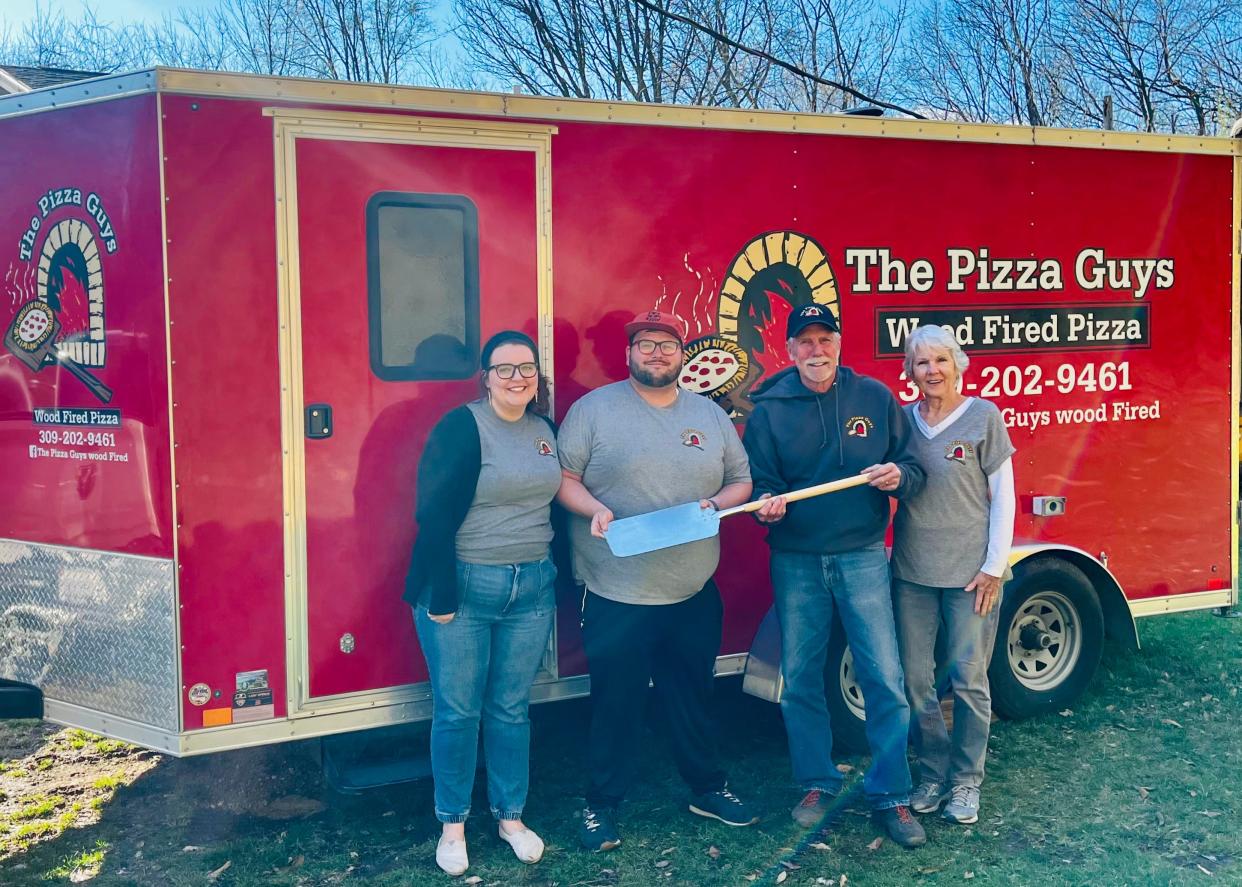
1119,621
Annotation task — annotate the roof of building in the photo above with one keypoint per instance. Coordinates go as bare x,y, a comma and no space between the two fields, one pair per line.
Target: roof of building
39,77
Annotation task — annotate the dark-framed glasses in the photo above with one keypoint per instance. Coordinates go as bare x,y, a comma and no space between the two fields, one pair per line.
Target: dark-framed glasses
668,347
506,370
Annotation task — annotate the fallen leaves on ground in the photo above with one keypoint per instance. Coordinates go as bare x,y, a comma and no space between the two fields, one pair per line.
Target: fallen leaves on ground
820,845
780,879
212,875
875,845
713,851
1169,722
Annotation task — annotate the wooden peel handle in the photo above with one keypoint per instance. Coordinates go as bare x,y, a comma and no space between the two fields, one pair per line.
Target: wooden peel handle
805,493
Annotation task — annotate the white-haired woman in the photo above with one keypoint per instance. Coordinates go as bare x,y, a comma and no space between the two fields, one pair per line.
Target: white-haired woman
950,550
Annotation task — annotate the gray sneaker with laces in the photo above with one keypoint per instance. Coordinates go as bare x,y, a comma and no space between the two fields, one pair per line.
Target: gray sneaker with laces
963,806
928,797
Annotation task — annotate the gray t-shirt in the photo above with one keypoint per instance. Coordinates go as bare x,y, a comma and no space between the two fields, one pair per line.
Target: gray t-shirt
940,536
509,521
636,458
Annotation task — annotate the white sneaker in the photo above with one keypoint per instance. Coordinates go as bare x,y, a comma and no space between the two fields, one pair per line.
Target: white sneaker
451,856
527,846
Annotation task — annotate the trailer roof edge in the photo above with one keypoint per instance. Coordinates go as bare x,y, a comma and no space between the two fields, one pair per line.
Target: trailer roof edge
506,105
80,92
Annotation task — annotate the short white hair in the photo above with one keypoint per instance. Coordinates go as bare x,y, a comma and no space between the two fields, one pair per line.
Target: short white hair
932,336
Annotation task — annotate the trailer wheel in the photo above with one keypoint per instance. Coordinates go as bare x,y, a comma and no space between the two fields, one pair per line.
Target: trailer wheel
1048,642
845,697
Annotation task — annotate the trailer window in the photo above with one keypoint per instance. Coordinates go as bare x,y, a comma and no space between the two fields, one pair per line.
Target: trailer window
423,285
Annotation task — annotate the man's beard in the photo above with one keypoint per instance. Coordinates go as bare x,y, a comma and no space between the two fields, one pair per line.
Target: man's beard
654,378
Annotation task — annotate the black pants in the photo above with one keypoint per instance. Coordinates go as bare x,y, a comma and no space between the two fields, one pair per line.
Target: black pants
672,646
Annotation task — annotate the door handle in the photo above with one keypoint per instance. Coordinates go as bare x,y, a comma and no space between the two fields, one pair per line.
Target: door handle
318,421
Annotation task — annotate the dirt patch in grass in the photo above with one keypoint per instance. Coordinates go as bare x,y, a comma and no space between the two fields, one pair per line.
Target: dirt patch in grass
52,779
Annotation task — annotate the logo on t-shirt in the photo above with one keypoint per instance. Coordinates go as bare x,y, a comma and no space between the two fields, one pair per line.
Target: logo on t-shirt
859,426
958,450
692,438
543,448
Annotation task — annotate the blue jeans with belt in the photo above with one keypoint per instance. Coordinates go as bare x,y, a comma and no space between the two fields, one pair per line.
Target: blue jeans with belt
808,589
482,665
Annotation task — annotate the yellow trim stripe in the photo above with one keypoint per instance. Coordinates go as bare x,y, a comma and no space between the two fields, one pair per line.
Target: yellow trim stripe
410,98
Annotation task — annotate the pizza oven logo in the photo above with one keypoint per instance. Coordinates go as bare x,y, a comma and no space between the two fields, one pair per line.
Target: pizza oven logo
859,426
60,296
692,438
543,448
958,450
772,276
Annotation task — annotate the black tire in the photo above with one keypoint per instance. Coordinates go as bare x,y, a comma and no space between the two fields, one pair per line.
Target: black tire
845,699
1056,605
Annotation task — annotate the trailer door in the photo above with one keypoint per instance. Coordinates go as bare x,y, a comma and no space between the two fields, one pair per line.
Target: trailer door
408,241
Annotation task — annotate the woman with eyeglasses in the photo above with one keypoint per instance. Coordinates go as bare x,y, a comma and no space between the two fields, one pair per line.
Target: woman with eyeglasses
481,585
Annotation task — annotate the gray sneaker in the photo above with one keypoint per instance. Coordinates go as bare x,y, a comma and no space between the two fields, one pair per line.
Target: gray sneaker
963,806
813,807
928,797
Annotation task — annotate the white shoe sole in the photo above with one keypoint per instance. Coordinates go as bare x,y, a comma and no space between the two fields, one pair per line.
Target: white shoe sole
707,813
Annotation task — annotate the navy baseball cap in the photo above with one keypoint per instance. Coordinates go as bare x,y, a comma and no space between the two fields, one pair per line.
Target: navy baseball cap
809,314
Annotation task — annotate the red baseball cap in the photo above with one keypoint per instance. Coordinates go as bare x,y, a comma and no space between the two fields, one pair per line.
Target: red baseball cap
663,321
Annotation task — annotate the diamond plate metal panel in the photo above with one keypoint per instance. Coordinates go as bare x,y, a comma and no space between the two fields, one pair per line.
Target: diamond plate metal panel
91,628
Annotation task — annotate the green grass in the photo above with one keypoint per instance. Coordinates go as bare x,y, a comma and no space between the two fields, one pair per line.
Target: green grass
83,861
1138,783
108,783
37,807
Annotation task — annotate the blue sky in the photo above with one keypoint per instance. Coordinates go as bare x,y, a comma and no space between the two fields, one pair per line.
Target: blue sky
17,12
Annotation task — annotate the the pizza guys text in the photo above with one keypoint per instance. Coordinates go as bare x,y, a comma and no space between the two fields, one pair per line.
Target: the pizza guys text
877,270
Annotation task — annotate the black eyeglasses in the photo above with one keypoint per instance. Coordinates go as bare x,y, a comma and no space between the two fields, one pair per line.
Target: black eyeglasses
668,347
506,370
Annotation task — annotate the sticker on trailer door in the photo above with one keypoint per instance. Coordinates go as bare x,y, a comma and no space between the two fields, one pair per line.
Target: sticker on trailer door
58,291
253,700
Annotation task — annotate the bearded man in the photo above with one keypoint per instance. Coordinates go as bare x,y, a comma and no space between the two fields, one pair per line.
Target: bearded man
629,448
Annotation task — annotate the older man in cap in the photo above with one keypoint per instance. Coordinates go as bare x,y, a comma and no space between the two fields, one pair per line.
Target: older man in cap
817,422
629,448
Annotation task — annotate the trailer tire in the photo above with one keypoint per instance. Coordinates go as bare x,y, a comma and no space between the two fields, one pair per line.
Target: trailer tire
844,696
1048,641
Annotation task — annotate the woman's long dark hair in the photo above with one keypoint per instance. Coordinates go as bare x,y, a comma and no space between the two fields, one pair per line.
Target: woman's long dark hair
539,405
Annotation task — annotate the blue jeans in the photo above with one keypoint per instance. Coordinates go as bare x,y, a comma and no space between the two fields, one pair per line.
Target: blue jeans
969,638
855,584
482,665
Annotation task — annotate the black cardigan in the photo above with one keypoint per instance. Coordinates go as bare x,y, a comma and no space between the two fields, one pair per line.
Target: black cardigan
448,476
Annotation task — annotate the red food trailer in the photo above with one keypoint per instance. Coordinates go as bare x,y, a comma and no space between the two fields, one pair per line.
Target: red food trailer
234,306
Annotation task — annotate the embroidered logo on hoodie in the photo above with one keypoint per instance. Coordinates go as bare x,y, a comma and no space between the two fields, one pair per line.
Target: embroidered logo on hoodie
543,448
859,426
692,438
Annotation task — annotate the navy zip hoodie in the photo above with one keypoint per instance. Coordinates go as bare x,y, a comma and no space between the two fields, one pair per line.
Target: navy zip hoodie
796,438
